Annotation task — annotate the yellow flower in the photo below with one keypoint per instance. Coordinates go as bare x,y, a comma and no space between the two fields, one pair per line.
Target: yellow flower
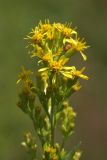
67,32
61,36
45,27
81,46
79,74
71,72
56,65
38,52
54,44
78,45
24,75
49,149
58,26
50,34
37,37
47,57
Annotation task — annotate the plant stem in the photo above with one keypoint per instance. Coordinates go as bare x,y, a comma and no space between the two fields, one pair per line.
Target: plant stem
34,124
52,125
52,110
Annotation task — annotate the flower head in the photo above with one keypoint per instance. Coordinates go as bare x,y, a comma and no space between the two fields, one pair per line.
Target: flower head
54,44
77,45
53,36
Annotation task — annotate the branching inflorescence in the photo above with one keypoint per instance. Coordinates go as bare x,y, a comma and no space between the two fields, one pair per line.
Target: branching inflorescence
47,100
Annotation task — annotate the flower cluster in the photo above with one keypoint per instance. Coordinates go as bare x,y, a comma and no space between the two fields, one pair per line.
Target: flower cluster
47,101
55,43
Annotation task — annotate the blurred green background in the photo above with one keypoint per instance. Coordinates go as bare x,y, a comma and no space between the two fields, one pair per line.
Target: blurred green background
17,17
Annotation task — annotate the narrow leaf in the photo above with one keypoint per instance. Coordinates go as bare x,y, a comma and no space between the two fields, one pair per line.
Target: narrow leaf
43,69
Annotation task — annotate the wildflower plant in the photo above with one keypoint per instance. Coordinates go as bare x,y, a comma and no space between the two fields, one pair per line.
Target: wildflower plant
46,100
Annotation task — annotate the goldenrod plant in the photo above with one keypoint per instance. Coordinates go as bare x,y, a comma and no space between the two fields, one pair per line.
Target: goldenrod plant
46,100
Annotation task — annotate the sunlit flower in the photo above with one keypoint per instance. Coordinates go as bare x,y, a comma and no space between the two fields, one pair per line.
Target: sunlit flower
78,45
56,65
45,27
37,37
54,44
47,57
50,34
38,52
67,32
79,74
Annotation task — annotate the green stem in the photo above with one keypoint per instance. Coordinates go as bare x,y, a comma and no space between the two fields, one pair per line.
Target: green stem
52,125
52,121
34,124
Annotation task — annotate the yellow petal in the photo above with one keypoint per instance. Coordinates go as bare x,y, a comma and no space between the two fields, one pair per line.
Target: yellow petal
84,56
67,74
69,68
42,69
83,77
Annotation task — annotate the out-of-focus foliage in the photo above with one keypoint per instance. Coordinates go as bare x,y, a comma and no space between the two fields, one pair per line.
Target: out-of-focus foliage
16,17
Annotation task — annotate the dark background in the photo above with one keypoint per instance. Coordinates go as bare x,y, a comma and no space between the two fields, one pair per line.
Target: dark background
17,17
